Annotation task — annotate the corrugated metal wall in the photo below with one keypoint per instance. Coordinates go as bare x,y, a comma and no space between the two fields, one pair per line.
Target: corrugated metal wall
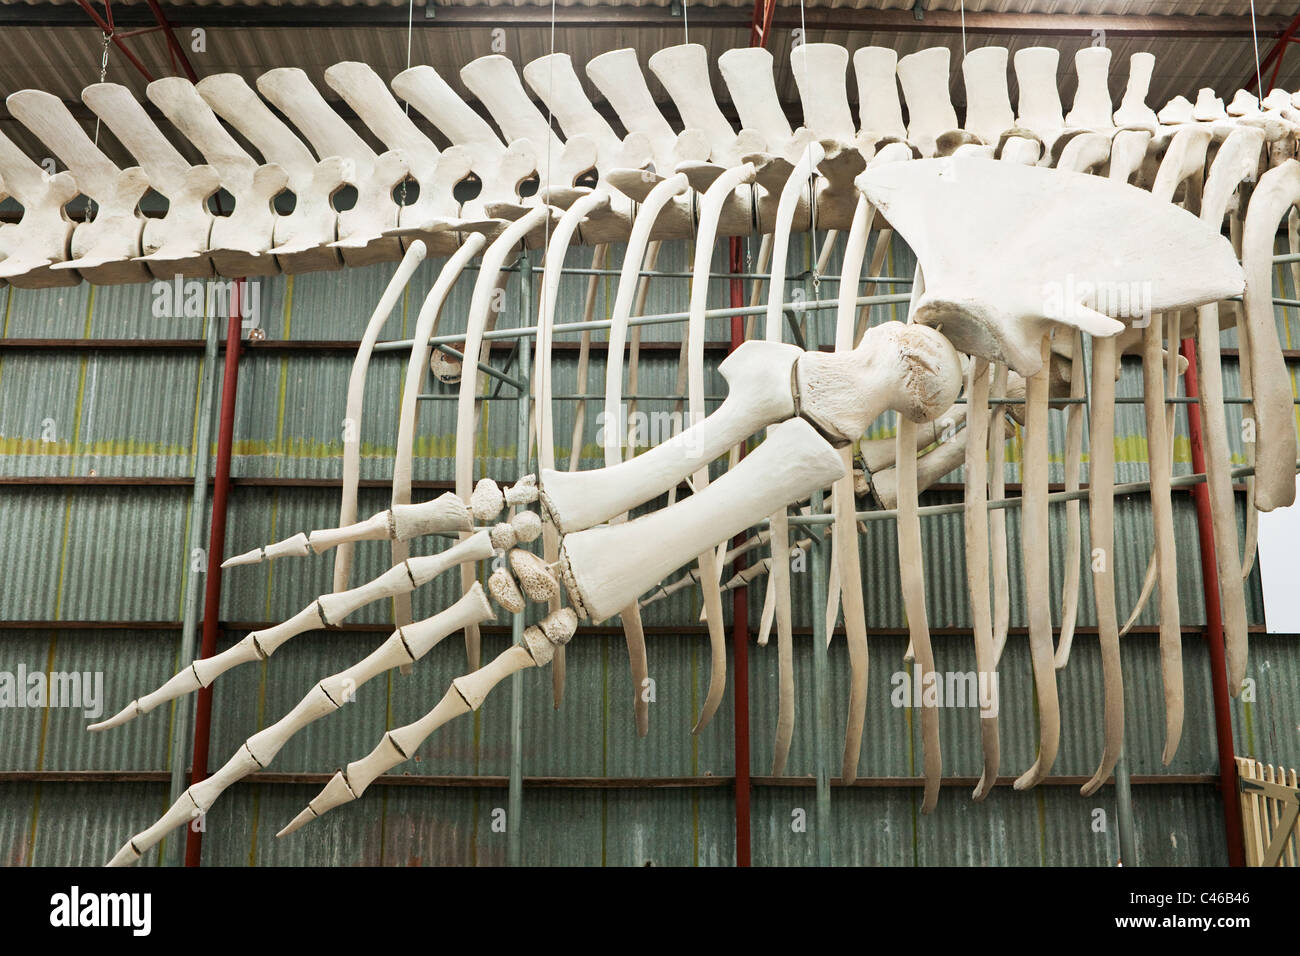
116,552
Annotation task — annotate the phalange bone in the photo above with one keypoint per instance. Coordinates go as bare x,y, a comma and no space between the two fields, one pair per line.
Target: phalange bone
487,501
988,102
396,745
924,78
534,576
604,570
504,590
522,492
993,306
404,646
527,525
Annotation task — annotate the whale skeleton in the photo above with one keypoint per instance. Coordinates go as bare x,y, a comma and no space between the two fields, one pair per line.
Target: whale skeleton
1004,213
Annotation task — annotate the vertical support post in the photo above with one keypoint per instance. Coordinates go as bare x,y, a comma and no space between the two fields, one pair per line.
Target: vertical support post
1214,624
1124,811
184,707
821,680
515,794
740,621
216,547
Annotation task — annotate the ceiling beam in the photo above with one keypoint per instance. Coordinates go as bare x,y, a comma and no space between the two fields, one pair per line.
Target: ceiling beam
606,15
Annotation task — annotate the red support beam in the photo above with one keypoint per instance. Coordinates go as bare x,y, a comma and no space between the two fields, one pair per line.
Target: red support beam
106,26
216,548
176,50
1214,623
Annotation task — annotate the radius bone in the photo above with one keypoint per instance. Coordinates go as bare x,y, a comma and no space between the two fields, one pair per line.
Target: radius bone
606,568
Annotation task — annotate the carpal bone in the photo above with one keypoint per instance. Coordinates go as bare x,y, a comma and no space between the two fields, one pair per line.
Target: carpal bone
527,526
604,569
503,536
553,631
487,500
505,591
522,492
534,575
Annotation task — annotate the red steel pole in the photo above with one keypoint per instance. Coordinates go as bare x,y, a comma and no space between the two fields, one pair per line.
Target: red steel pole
216,548
1214,623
